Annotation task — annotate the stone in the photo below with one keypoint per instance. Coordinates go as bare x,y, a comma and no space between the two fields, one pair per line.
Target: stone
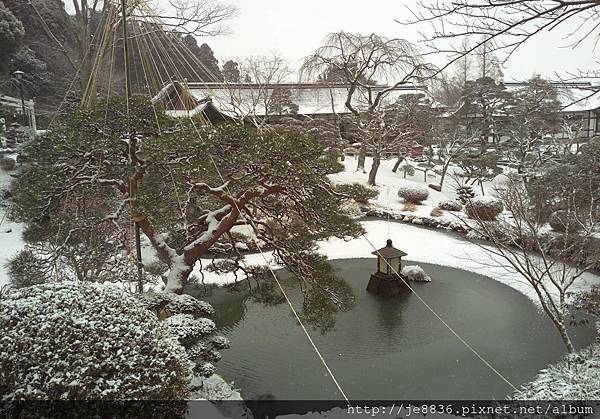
387,286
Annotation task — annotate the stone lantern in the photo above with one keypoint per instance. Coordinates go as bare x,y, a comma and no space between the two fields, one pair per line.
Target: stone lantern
388,280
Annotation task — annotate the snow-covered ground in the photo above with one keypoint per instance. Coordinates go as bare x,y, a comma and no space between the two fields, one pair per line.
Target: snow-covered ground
388,182
10,232
422,245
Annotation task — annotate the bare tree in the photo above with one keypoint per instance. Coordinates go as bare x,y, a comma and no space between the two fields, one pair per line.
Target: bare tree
549,262
199,18
504,25
487,60
452,139
571,127
361,61
264,74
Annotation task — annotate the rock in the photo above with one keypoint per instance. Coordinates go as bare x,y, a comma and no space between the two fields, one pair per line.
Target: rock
435,187
8,230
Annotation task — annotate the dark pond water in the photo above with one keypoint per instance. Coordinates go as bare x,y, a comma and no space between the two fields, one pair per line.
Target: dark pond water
391,349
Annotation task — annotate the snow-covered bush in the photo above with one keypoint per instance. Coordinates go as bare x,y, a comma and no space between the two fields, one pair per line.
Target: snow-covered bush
413,193
175,304
415,273
562,221
86,341
187,328
485,208
183,315
450,205
575,377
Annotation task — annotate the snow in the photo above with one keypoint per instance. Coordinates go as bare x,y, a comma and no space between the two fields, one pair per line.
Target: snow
388,183
185,326
239,100
485,200
415,273
422,245
10,232
576,377
87,340
213,388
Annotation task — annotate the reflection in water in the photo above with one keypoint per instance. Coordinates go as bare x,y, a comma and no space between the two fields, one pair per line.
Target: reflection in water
389,315
388,349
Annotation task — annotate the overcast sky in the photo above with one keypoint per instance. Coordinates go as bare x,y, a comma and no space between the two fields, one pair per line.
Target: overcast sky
296,28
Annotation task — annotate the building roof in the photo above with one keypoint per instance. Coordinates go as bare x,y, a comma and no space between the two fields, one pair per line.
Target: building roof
240,100
389,251
574,96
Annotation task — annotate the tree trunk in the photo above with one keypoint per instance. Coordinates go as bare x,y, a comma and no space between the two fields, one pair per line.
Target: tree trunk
445,167
374,168
362,156
178,275
398,163
556,320
565,337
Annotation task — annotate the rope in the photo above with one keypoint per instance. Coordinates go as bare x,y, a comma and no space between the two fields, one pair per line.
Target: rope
178,47
463,341
255,240
388,212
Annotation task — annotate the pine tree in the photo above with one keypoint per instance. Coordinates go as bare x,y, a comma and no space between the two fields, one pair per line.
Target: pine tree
11,35
281,103
231,72
209,70
465,193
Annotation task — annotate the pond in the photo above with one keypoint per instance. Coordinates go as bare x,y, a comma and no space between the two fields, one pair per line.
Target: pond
391,349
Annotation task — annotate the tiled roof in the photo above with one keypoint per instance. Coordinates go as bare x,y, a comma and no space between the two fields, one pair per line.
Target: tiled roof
239,100
574,96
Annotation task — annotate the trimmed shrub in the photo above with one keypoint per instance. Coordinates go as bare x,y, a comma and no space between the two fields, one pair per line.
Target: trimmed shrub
484,208
415,273
8,164
26,269
413,193
86,341
562,220
450,205
183,315
358,192
409,206
436,212
187,328
175,304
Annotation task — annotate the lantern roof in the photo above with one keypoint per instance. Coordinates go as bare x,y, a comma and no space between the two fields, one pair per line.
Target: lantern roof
389,251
